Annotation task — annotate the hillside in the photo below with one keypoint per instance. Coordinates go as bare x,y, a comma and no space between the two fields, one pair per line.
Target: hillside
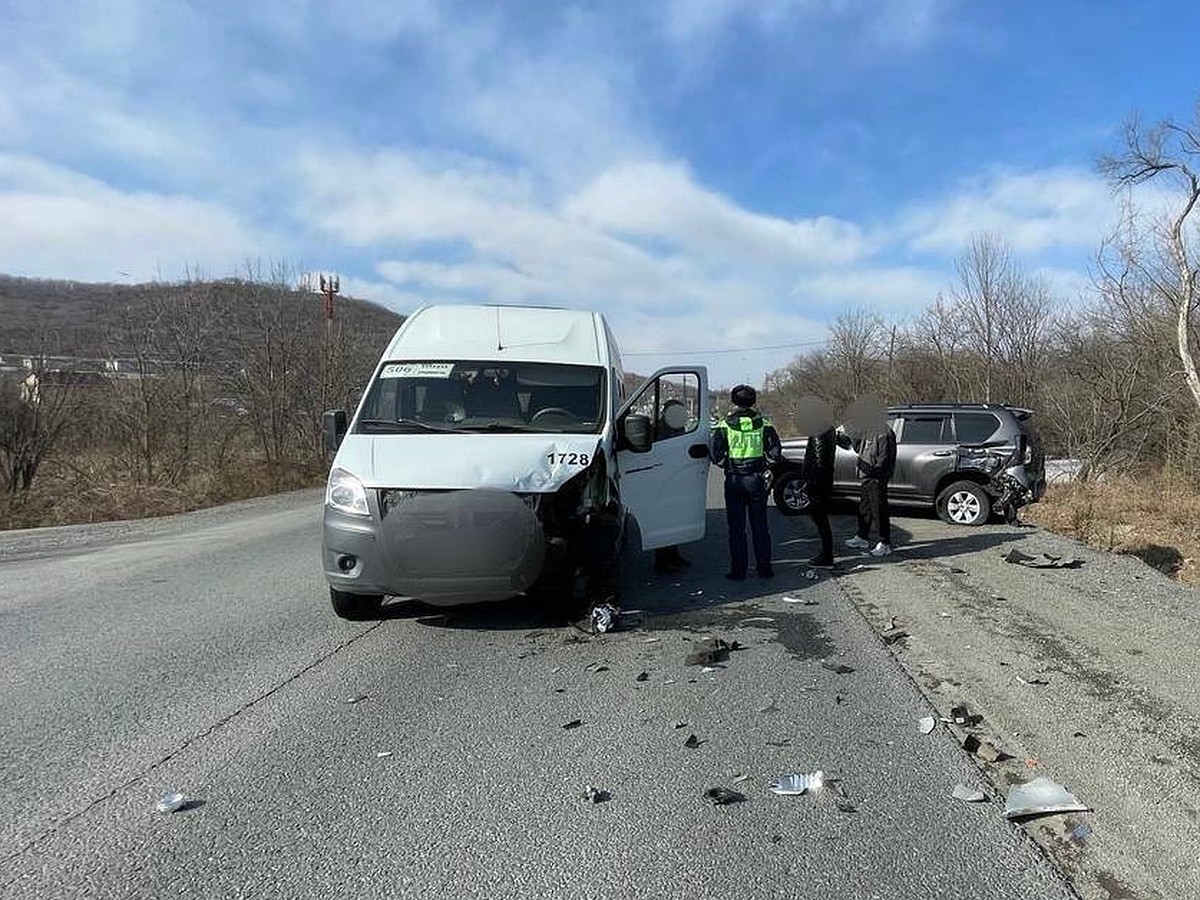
71,318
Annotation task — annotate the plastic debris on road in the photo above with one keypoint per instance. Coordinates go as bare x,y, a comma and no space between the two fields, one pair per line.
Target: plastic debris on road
926,724
605,617
838,668
1033,680
596,667
692,742
739,779
170,802
841,798
960,715
1041,796
383,754
596,795
794,785
574,723
643,676
810,575
964,793
803,601
357,698
984,750
1045,561
723,796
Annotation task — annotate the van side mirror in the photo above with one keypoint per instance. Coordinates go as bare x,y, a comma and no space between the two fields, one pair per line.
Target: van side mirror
638,432
333,428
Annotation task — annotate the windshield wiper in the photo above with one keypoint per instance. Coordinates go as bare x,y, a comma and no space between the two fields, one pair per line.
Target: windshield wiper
400,425
506,426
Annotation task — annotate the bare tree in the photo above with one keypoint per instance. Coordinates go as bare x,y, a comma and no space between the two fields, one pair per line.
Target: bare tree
34,415
1166,153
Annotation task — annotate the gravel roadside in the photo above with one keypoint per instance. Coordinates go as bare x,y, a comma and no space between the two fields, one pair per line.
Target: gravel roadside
1086,675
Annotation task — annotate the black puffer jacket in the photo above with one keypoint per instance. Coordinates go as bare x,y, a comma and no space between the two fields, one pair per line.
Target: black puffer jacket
818,463
877,455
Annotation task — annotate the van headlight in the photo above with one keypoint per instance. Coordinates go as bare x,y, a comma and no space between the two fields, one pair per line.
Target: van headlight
346,493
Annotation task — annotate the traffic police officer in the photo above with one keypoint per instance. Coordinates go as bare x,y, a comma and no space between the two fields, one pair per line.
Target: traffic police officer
743,443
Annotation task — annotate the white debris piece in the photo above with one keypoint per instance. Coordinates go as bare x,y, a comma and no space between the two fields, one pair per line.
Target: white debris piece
170,802
792,785
1040,796
962,792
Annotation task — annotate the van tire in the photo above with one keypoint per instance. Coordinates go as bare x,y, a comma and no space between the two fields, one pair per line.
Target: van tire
791,494
964,503
356,607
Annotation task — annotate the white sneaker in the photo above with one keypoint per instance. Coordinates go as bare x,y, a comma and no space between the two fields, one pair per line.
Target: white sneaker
858,543
881,549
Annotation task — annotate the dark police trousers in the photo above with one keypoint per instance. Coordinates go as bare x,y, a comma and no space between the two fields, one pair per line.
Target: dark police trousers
746,497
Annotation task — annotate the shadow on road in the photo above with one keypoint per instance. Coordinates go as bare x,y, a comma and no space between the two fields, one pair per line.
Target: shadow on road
701,584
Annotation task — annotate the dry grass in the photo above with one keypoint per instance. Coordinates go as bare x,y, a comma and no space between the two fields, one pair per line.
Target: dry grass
1155,517
87,491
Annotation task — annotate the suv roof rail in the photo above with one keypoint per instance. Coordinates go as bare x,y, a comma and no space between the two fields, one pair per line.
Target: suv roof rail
1019,412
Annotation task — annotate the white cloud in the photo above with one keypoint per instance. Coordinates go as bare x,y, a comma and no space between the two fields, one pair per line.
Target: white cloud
1033,211
887,290
517,242
464,230
62,224
663,202
900,23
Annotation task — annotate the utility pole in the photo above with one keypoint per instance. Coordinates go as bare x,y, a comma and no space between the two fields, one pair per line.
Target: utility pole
329,285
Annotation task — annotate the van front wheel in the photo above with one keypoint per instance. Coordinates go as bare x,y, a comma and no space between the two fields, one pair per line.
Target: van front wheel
964,503
356,607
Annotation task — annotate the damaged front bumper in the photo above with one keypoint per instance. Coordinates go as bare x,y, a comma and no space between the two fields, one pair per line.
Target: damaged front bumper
467,546
463,546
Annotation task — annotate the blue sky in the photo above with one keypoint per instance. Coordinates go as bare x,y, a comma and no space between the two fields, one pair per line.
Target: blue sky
712,174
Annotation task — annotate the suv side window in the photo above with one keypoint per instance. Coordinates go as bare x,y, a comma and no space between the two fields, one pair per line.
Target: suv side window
975,427
926,429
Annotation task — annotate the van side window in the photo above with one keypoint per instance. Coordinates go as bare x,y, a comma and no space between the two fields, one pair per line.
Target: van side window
671,403
927,429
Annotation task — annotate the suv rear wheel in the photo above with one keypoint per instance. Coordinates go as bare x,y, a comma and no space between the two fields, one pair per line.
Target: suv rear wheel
964,503
791,494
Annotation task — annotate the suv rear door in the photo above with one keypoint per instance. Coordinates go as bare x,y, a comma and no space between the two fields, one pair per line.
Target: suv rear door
924,453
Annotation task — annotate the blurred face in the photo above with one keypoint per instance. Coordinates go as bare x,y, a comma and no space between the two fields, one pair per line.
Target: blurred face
813,415
865,416
675,416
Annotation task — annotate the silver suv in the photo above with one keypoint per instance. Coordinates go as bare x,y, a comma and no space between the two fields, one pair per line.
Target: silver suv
964,459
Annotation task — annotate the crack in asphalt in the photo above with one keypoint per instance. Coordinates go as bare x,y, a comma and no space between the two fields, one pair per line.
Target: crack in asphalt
189,742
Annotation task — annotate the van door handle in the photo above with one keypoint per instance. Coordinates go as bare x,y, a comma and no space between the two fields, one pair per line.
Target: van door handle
698,451
942,453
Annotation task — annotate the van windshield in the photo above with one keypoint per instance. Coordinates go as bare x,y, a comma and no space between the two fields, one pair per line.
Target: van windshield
429,396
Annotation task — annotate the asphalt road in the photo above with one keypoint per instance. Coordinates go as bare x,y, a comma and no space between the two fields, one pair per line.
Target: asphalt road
199,654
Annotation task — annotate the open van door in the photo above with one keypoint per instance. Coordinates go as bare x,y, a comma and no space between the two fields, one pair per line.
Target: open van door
663,457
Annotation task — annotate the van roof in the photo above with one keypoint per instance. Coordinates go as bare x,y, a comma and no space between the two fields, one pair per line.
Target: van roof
519,333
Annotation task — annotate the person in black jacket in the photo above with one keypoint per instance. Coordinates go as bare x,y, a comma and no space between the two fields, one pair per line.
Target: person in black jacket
815,419
872,439
742,444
